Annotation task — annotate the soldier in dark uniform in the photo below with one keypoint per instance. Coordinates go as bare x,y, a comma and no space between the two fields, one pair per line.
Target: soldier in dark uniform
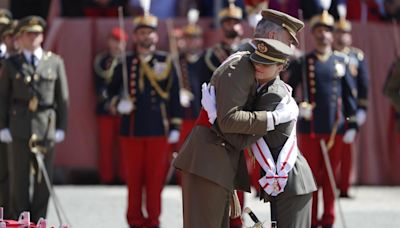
33,107
230,20
359,72
5,21
151,118
107,118
329,105
192,76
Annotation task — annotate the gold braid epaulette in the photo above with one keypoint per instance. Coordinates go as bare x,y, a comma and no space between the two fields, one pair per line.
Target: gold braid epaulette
153,77
107,73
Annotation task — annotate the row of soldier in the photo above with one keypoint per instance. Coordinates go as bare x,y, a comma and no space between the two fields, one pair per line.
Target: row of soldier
163,103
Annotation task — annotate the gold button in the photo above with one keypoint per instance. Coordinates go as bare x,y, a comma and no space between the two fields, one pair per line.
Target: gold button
311,74
313,90
312,82
310,61
133,83
311,68
222,144
36,77
133,91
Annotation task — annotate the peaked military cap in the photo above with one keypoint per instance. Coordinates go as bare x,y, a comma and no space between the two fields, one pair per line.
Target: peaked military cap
291,24
343,25
5,16
324,19
9,29
31,24
146,20
270,51
230,12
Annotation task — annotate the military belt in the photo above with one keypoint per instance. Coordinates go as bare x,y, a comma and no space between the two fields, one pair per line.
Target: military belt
40,107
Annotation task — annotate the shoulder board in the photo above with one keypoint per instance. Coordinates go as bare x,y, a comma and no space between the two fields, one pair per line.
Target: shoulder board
236,57
359,53
207,59
341,55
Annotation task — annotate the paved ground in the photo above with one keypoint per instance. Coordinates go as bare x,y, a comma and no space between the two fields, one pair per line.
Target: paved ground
104,206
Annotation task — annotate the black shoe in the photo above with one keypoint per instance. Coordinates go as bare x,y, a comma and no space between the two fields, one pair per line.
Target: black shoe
314,226
327,226
345,195
133,226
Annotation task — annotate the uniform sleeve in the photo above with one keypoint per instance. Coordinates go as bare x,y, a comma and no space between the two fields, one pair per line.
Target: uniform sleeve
5,92
295,74
233,87
115,87
268,102
362,85
61,97
174,105
348,100
392,85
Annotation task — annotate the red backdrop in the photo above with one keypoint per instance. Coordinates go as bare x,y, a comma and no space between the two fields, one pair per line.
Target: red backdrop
78,40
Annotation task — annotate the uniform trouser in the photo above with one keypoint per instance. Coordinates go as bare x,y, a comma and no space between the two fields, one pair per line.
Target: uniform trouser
205,203
346,161
21,163
310,146
4,179
145,159
293,211
109,151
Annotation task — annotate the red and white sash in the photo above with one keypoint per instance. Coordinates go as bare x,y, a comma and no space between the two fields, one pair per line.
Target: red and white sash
276,176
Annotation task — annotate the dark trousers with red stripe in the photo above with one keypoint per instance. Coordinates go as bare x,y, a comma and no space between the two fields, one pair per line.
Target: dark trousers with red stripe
145,159
346,161
310,147
110,165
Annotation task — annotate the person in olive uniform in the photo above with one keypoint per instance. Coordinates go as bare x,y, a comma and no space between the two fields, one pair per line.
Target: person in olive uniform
33,106
5,21
289,187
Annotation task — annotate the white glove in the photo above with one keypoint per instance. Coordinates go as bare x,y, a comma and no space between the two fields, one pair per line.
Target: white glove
208,102
287,110
5,135
185,97
305,110
125,106
361,116
349,136
173,136
59,136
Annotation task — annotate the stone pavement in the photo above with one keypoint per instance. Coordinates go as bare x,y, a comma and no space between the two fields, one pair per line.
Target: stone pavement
104,206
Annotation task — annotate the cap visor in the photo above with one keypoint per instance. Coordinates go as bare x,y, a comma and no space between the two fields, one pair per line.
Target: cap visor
258,59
